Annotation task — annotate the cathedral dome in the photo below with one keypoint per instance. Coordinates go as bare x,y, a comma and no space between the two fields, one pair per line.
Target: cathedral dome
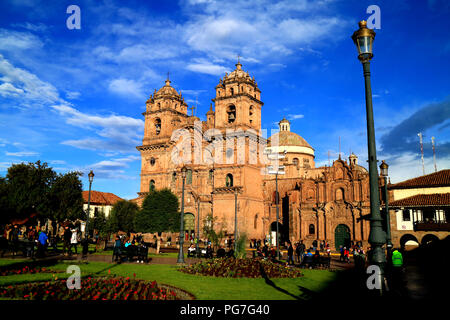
288,138
289,141
237,73
167,90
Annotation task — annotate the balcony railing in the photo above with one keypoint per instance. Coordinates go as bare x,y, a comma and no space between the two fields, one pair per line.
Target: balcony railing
431,226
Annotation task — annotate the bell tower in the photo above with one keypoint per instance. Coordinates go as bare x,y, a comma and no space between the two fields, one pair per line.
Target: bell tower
166,109
237,101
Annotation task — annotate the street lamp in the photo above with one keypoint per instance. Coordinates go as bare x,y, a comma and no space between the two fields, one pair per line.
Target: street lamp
181,237
363,39
91,178
235,219
276,170
197,249
384,173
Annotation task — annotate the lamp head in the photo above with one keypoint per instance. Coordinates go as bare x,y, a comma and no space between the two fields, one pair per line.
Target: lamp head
91,176
384,168
183,172
363,39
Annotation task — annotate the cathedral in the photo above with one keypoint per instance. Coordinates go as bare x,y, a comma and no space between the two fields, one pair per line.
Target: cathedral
226,159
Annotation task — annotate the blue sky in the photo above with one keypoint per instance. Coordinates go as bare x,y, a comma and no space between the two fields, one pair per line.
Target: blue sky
74,98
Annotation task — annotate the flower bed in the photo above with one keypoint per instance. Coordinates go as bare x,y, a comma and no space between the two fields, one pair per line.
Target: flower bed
26,270
242,268
91,289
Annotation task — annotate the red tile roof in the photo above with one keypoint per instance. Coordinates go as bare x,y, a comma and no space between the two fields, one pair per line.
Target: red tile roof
98,197
436,179
423,200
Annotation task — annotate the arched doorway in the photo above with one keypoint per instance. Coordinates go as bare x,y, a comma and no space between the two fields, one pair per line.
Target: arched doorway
189,225
273,232
408,240
342,236
429,239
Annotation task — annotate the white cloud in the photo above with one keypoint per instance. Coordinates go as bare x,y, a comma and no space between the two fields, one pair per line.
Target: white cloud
39,27
8,90
22,154
20,82
13,41
120,133
295,116
207,68
126,87
71,95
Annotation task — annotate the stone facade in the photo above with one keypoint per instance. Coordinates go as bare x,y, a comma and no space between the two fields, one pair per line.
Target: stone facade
324,203
419,209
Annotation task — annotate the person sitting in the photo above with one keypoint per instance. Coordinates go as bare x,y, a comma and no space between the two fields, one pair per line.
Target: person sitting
221,252
308,259
142,251
191,251
316,257
209,251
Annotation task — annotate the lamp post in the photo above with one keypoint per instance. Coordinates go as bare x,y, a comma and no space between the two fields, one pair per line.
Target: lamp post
235,219
363,39
197,249
384,173
276,170
91,178
181,237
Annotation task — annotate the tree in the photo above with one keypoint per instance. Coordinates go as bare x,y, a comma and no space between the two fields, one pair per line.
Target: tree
100,223
5,204
159,212
122,216
28,188
66,197
209,230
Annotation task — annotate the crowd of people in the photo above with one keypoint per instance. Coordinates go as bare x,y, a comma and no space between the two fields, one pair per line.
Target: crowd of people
127,248
35,241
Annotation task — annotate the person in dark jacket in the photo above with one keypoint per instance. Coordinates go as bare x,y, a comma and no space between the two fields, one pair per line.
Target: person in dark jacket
66,241
299,251
290,253
14,239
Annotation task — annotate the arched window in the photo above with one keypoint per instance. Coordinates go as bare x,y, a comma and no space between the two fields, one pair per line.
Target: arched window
231,113
157,126
340,194
255,221
229,180
211,174
174,177
152,185
250,114
189,176
231,91
295,161
159,105
312,229
306,163
152,161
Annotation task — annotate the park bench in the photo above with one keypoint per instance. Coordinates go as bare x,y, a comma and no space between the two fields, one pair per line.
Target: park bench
130,253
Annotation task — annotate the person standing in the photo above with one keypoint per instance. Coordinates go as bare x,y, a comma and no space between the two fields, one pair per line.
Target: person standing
397,270
42,244
300,251
290,254
14,239
74,240
67,236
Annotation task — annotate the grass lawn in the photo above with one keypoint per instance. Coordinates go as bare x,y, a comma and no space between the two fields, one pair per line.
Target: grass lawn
204,288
